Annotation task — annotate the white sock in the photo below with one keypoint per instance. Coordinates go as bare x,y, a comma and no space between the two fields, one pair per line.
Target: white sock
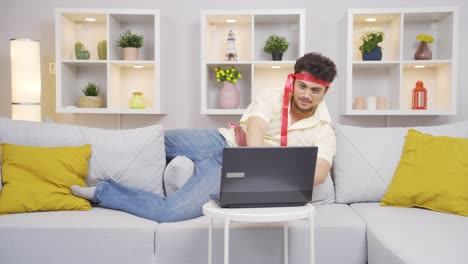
83,192
176,174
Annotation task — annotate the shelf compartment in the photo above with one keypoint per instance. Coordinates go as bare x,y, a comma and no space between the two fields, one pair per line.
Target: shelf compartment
376,79
390,23
76,76
285,25
217,30
267,77
141,24
214,87
126,79
436,77
75,28
437,24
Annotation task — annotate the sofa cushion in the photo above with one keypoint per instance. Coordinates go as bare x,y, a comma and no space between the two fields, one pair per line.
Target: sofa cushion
39,179
324,193
366,158
337,228
413,235
77,237
432,174
134,157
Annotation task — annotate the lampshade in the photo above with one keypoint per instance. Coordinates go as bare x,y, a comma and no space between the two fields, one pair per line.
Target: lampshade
25,79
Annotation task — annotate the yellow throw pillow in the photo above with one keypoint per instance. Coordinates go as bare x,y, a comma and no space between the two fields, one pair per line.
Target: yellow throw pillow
39,178
432,174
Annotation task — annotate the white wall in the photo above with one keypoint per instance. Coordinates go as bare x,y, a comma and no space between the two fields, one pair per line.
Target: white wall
180,58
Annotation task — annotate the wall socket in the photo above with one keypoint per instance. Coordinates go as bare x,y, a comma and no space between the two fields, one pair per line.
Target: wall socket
52,68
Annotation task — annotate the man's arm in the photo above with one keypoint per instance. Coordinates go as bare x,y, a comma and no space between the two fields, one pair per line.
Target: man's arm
321,171
256,128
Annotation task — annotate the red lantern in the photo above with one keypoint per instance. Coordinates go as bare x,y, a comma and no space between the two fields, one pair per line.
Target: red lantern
419,97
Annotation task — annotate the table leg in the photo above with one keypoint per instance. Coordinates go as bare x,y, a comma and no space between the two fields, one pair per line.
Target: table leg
312,243
210,241
226,240
285,242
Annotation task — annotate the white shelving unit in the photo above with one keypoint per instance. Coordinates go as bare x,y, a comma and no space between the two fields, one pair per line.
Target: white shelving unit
395,76
117,78
252,28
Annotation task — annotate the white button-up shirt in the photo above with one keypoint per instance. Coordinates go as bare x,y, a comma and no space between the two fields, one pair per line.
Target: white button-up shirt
312,131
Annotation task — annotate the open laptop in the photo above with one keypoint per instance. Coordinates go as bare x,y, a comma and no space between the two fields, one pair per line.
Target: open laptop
267,176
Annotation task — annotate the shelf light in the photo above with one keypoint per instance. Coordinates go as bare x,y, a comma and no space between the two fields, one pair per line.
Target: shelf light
90,19
371,19
419,66
276,67
231,20
138,66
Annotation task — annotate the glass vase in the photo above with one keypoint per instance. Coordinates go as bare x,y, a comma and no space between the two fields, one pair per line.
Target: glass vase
423,52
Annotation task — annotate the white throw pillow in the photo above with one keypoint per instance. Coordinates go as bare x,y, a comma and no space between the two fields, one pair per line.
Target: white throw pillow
366,158
177,173
134,157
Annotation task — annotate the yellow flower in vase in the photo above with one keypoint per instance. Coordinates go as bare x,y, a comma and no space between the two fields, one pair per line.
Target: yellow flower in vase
229,97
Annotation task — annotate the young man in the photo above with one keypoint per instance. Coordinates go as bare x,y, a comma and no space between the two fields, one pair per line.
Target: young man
306,123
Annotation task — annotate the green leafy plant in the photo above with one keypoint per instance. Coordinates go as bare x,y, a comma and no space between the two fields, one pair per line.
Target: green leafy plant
276,43
425,38
371,37
130,40
91,89
230,75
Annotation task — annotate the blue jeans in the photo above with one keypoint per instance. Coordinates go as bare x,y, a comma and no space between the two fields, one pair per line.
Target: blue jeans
205,148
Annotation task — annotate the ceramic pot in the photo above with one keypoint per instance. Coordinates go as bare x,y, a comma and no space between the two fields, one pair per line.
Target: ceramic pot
373,55
130,53
229,96
277,56
423,52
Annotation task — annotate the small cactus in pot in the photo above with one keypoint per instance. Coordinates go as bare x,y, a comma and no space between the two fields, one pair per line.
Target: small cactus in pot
80,52
102,49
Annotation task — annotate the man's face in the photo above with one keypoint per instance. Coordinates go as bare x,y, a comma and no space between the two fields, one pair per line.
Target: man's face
307,95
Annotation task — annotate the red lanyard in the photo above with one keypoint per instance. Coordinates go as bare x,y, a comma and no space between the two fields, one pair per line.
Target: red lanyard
288,88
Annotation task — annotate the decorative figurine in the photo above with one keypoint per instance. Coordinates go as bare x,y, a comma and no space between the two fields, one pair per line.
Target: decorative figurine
419,97
231,52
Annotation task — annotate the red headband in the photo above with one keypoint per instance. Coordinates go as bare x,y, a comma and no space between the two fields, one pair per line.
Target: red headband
288,88
306,77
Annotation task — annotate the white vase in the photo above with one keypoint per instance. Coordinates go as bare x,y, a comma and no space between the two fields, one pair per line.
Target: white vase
229,96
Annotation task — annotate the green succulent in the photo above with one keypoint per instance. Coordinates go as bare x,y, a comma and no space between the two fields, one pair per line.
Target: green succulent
276,43
91,89
371,37
130,40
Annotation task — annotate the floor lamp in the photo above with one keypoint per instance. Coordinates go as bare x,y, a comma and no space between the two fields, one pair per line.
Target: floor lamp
25,79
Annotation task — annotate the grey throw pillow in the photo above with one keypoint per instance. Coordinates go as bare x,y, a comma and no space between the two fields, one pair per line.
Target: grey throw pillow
134,157
366,158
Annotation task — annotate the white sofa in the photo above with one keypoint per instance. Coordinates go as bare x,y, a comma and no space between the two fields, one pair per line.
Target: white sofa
354,229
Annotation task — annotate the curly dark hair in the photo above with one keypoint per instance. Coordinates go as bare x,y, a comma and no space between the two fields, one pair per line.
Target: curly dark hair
318,65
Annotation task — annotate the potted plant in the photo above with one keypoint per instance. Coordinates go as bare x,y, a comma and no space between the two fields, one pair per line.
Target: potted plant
80,52
276,45
370,49
102,49
229,96
91,97
423,52
130,43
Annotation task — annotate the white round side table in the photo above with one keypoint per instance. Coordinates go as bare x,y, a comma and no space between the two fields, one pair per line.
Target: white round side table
258,215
